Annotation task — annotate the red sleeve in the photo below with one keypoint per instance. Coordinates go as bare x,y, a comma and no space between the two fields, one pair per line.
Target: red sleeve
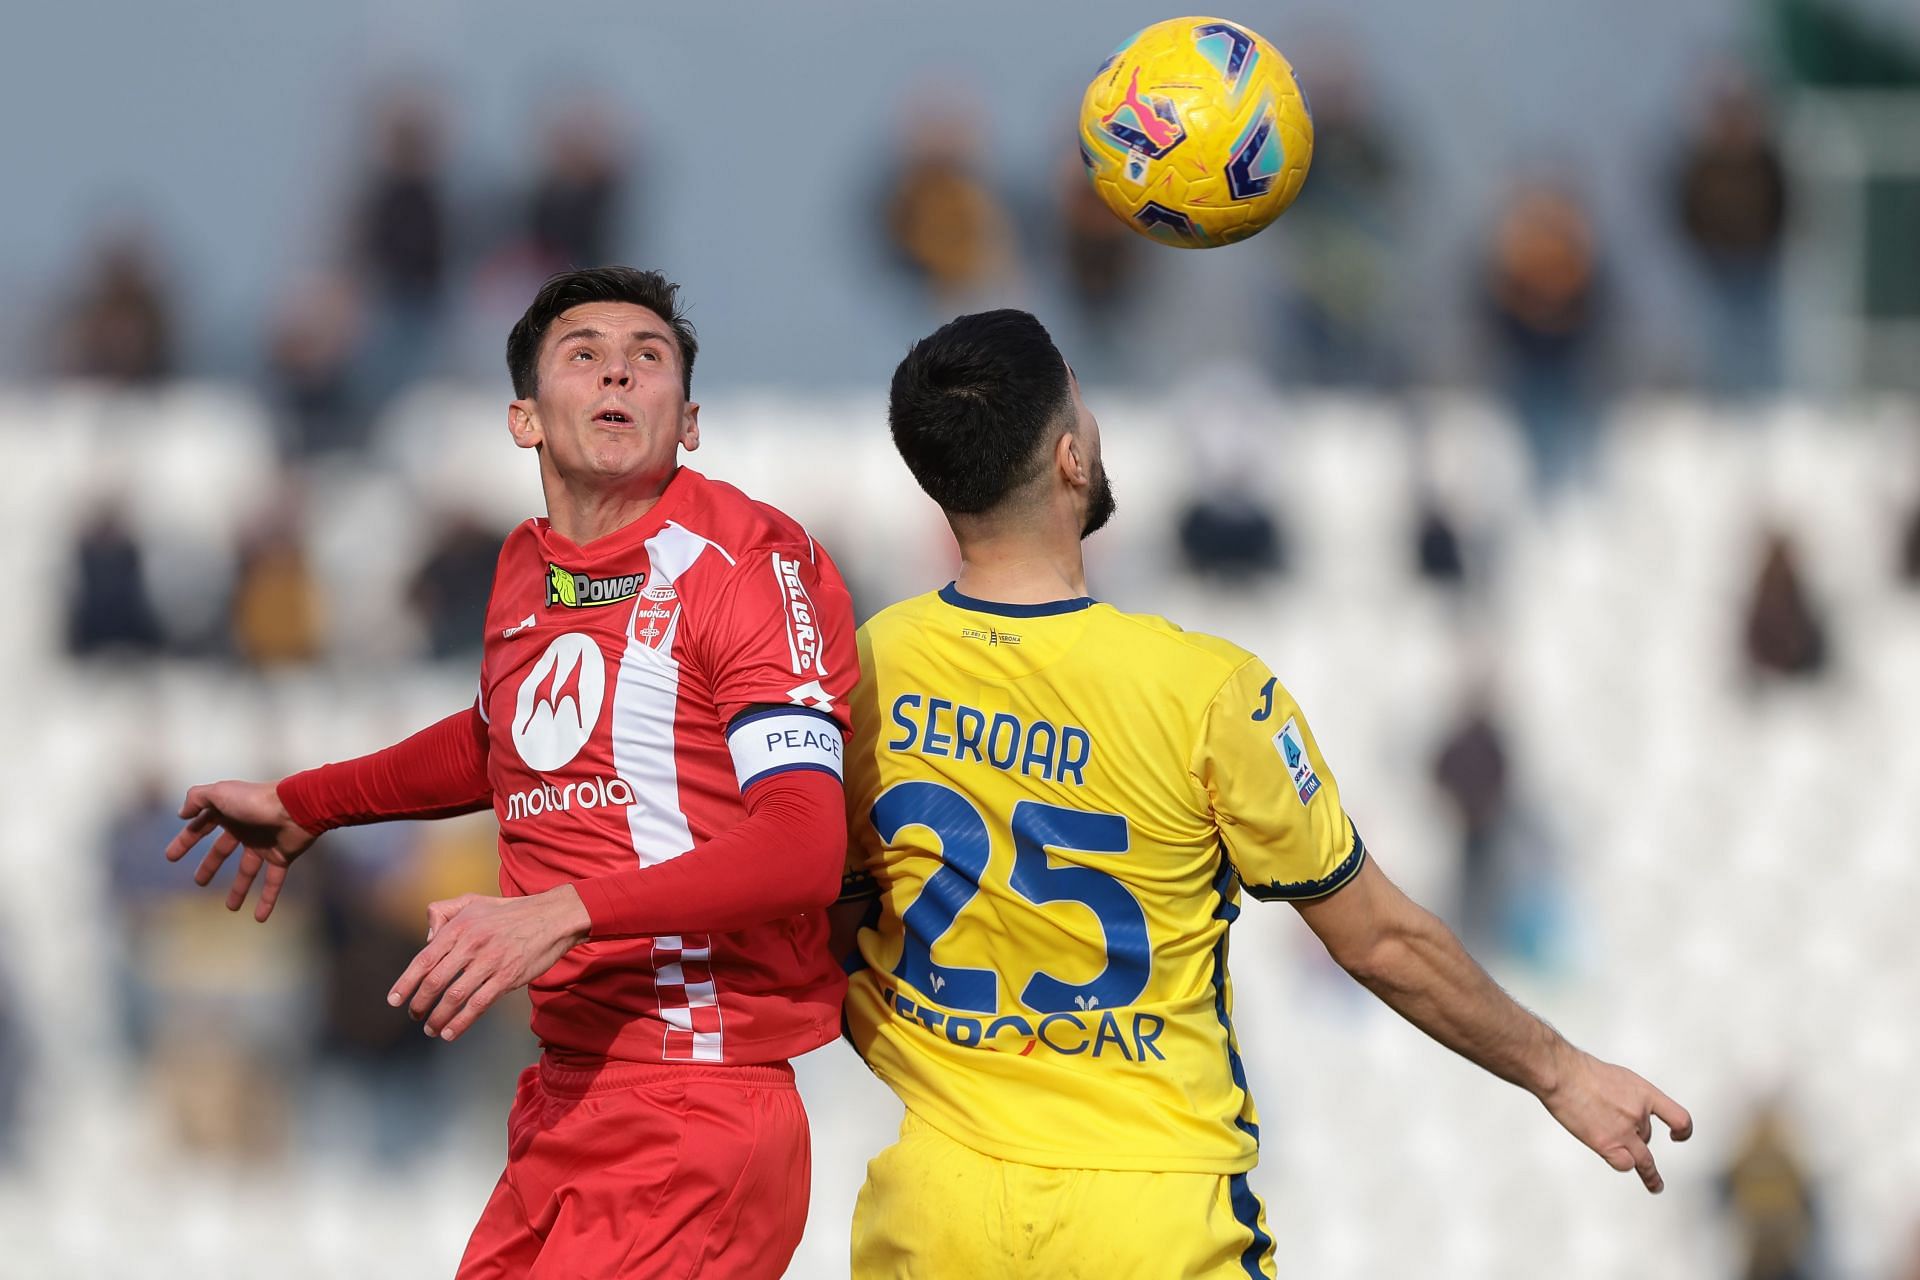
437,773
782,860
781,633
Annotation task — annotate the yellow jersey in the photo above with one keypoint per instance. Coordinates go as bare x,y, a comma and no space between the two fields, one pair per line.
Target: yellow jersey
1054,808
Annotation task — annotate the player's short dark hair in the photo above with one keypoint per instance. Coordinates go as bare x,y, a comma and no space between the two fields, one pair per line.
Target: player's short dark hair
972,404
572,289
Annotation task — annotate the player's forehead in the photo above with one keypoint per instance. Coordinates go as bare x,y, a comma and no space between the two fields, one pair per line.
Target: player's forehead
607,321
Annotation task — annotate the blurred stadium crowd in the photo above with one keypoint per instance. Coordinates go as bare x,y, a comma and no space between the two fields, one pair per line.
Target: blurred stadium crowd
1615,644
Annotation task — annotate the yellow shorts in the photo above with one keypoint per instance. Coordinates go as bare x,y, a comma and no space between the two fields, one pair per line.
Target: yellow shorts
935,1209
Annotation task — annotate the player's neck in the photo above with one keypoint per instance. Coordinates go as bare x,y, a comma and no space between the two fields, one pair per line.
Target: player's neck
1020,569
584,513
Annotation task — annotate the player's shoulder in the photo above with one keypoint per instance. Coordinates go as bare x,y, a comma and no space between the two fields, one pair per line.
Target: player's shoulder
900,615
522,545
742,526
917,627
1192,654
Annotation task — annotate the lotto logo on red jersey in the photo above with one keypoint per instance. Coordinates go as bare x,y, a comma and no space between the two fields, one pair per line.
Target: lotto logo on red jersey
803,631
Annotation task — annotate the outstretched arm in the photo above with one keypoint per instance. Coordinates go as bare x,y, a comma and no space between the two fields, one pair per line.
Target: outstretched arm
439,772
1412,962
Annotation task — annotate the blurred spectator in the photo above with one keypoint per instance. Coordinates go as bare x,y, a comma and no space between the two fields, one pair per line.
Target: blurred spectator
1546,305
141,885
1228,535
109,610
947,227
394,1091
310,369
400,228
1341,237
1772,1202
203,996
1438,553
1470,768
1228,528
1910,548
449,591
1731,197
575,203
369,931
571,216
278,610
401,244
1785,635
120,324
1101,255
1511,890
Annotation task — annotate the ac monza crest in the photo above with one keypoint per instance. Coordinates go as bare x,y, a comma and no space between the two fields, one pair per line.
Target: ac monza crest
656,617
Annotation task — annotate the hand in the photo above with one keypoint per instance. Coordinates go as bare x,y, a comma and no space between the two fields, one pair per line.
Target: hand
250,817
479,948
1610,1109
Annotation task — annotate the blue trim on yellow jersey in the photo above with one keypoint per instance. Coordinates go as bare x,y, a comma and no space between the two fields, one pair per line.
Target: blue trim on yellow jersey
1246,1212
1307,890
1246,1205
1229,911
951,594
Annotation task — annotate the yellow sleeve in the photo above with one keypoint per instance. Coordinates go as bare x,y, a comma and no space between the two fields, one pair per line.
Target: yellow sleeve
857,883
1274,799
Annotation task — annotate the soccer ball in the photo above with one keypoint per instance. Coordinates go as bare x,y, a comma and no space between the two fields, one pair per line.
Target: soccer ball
1195,132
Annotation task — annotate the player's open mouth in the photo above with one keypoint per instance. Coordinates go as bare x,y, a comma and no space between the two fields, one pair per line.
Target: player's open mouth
613,417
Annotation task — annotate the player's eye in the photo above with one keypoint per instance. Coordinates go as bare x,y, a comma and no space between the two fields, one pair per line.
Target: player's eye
649,355
581,354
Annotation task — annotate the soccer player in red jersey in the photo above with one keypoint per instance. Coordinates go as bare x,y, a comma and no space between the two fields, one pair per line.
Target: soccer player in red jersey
659,731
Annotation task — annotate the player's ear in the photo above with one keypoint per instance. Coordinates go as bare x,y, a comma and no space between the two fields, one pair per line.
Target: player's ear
690,426
1071,459
523,424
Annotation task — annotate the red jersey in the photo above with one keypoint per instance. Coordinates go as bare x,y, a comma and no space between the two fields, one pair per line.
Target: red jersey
615,684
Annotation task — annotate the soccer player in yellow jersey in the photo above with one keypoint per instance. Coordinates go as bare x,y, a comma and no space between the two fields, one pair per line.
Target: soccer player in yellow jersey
1055,808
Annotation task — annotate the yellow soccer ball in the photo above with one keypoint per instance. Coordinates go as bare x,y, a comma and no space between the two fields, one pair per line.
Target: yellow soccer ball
1196,133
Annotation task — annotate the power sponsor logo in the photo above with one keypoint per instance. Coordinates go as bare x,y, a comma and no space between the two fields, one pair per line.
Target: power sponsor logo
1126,1034
559,702
571,589
804,646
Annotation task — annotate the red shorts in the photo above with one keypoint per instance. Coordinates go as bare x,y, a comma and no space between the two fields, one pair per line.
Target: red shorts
637,1170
